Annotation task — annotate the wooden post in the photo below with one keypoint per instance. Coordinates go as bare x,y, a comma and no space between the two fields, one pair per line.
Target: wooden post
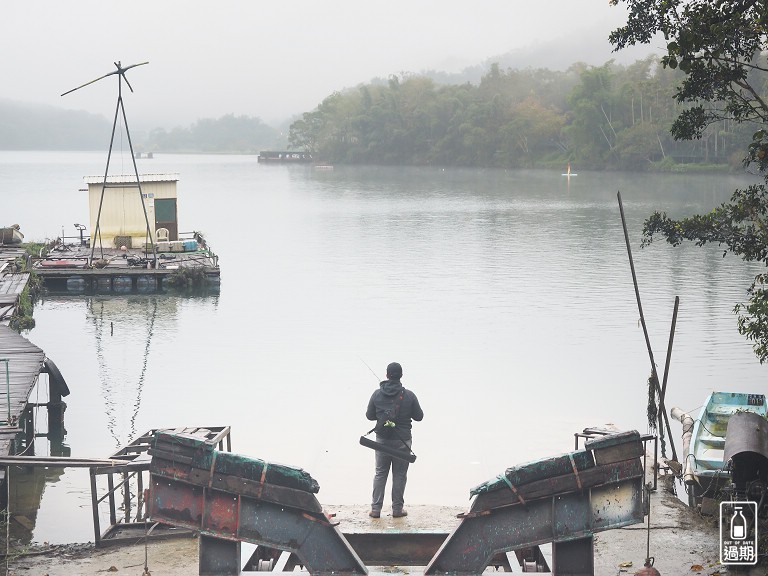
95,510
56,409
127,497
139,495
654,375
57,388
111,499
662,418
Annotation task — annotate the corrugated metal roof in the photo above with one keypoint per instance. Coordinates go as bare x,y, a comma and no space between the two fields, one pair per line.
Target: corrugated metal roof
128,178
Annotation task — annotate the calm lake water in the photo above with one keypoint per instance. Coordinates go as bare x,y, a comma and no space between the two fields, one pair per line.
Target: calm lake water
506,296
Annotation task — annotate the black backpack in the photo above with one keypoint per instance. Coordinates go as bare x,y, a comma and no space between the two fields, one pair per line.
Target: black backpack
389,432
386,424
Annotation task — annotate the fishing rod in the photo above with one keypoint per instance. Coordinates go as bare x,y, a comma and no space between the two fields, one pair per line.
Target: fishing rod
371,369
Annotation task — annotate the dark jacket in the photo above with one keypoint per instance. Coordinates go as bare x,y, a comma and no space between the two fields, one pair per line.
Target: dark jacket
381,408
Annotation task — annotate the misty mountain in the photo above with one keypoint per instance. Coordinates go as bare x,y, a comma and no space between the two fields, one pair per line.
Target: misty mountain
228,134
26,126
556,55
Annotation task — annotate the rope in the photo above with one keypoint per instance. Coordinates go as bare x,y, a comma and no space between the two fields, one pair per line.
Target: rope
512,487
146,549
210,472
263,480
652,409
575,471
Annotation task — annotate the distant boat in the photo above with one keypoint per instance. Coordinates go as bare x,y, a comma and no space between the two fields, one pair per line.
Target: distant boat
283,157
11,235
569,173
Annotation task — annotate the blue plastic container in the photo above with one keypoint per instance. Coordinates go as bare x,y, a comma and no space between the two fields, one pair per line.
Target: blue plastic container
146,284
122,284
76,284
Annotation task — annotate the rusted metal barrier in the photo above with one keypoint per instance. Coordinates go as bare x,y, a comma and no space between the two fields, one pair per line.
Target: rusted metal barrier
231,499
562,500
127,474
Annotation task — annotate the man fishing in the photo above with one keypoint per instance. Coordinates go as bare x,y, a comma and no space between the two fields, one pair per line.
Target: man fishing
393,407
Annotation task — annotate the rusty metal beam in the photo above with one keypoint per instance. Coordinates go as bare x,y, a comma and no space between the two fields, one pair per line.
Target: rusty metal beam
574,557
396,548
218,557
318,543
480,536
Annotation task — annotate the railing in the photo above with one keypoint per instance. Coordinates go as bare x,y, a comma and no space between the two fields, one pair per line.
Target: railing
7,389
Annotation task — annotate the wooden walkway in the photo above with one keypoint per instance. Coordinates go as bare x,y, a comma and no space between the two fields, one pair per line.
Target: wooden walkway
11,282
20,365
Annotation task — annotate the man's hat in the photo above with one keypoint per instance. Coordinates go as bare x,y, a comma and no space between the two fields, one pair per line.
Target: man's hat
394,370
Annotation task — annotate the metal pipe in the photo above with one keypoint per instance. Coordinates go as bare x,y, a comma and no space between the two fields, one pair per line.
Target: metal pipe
654,375
666,374
7,387
687,423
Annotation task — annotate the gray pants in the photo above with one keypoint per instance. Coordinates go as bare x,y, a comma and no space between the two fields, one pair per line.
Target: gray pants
399,475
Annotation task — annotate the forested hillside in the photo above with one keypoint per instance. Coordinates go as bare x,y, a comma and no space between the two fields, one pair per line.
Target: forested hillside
597,117
34,127
605,117
228,134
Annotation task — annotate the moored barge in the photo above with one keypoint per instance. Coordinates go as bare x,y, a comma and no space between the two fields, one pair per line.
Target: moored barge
124,255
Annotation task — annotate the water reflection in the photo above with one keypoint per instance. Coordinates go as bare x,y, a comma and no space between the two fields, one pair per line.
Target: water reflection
506,296
115,353
26,484
123,330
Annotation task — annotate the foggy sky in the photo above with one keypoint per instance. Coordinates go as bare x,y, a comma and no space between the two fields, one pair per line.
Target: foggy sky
270,59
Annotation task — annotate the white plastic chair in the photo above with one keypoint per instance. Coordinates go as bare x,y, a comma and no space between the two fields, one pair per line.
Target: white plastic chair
161,235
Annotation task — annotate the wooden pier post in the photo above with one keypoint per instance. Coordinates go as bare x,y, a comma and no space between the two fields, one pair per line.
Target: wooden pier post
57,387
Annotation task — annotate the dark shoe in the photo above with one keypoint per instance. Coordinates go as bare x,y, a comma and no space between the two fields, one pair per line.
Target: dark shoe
399,514
374,514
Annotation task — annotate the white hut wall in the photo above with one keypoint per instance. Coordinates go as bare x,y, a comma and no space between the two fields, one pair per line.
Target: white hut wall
122,213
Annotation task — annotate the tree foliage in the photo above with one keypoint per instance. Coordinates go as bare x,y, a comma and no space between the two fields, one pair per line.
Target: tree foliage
609,116
720,46
229,133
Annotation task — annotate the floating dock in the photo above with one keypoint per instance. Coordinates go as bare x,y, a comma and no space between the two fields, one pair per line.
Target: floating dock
20,365
68,268
12,282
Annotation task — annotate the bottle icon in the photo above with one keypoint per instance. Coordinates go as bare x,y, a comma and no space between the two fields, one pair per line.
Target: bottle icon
738,524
